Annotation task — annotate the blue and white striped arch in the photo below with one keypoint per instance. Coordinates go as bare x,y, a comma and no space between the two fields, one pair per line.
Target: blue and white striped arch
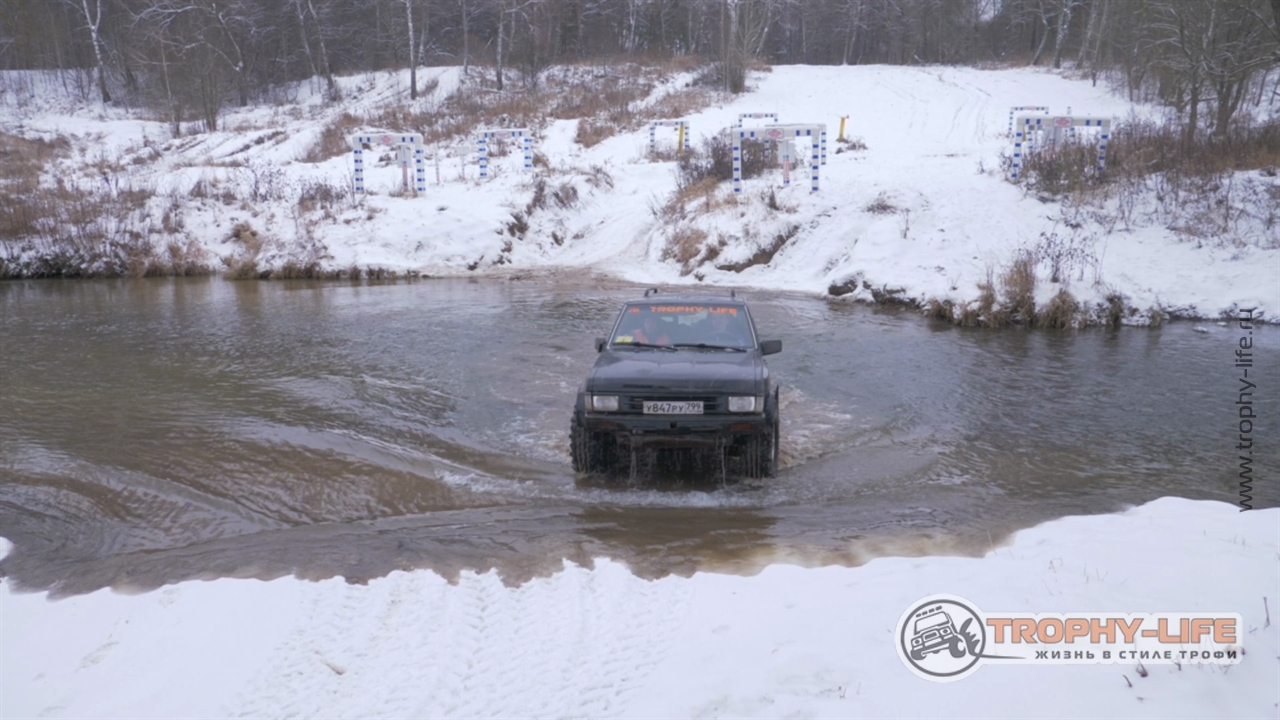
757,116
409,150
1026,110
682,127
777,133
484,136
1028,128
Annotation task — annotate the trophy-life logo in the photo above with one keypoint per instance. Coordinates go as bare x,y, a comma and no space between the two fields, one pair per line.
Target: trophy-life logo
944,638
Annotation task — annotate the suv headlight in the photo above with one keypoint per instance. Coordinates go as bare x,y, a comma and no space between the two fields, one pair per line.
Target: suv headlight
604,403
743,404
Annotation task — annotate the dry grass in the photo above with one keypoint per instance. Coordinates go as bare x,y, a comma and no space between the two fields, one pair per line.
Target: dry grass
1143,147
1155,174
714,160
22,159
318,195
881,206
244,264
333,139
592,132
1114,311
1011,302
294,270
706,190
99,227
680,103
605,100
685,244
1060,313
1070,170
850,144
1019,287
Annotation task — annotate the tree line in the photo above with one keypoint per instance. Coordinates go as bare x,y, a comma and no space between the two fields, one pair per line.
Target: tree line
190,58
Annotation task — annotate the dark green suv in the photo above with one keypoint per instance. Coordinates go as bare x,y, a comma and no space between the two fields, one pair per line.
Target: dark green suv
680,371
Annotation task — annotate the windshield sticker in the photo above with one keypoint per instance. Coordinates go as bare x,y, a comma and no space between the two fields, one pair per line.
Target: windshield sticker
686,309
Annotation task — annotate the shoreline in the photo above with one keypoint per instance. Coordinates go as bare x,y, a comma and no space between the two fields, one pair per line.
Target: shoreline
1099,316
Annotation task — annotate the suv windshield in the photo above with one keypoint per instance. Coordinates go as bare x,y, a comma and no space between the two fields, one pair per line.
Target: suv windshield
684,325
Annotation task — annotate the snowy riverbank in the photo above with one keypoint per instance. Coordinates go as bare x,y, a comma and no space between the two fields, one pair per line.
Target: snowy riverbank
922,214
601,642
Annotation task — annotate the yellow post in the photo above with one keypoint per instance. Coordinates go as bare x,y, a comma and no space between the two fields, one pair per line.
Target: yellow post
680,139
842,119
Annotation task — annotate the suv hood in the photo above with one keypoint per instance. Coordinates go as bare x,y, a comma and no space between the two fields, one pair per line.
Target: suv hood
685,370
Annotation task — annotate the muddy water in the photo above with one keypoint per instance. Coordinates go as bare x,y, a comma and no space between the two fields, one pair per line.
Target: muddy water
155,431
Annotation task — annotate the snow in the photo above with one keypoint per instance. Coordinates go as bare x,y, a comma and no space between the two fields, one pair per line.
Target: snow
934,138
601,642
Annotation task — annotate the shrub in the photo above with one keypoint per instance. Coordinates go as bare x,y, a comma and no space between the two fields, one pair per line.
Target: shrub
1019,284
881,206
1061,312
332,141
685,245
714,159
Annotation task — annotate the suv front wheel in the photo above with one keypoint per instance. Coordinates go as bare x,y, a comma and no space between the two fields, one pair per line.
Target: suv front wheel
592,452
761,456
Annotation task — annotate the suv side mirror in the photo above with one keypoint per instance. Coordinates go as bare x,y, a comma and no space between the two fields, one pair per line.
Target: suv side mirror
600,344
770,347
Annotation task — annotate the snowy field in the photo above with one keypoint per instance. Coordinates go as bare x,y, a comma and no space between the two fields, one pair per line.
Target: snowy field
923,213
600,642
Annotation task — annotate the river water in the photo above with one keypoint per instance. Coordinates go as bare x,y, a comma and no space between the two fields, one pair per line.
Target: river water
153,431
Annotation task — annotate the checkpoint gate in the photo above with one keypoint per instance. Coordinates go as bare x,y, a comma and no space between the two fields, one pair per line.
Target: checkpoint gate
780,134
1052,131
484,136
409,152
682,138
1027,110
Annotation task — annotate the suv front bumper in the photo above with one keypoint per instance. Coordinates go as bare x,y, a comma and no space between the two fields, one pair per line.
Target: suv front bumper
676,431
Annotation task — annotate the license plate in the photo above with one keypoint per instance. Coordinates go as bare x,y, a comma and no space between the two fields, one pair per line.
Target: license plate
662,407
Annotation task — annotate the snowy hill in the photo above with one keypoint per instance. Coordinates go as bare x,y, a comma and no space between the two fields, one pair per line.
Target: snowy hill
922,214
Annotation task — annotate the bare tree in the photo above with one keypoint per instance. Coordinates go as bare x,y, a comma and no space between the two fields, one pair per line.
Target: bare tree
92,10
1091,46
304,11
413,59
1063,28
1214,47
1047,13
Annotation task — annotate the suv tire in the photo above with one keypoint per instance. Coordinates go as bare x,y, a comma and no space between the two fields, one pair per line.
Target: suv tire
760,457
592,452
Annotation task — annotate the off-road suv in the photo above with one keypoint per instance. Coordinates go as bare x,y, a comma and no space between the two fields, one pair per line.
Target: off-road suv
680,371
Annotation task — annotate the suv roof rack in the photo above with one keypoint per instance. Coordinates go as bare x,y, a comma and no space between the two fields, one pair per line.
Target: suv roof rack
654,291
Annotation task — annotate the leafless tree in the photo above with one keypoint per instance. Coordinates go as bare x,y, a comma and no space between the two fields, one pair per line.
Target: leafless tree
305,11
92,11
1213,48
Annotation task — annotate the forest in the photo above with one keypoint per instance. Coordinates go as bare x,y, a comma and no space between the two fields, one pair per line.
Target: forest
189,59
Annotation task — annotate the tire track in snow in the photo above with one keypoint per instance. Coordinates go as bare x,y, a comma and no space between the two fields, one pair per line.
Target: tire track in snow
579,643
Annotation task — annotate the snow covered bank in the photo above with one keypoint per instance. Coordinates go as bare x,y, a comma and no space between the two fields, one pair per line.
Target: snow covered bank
922,213
601,642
